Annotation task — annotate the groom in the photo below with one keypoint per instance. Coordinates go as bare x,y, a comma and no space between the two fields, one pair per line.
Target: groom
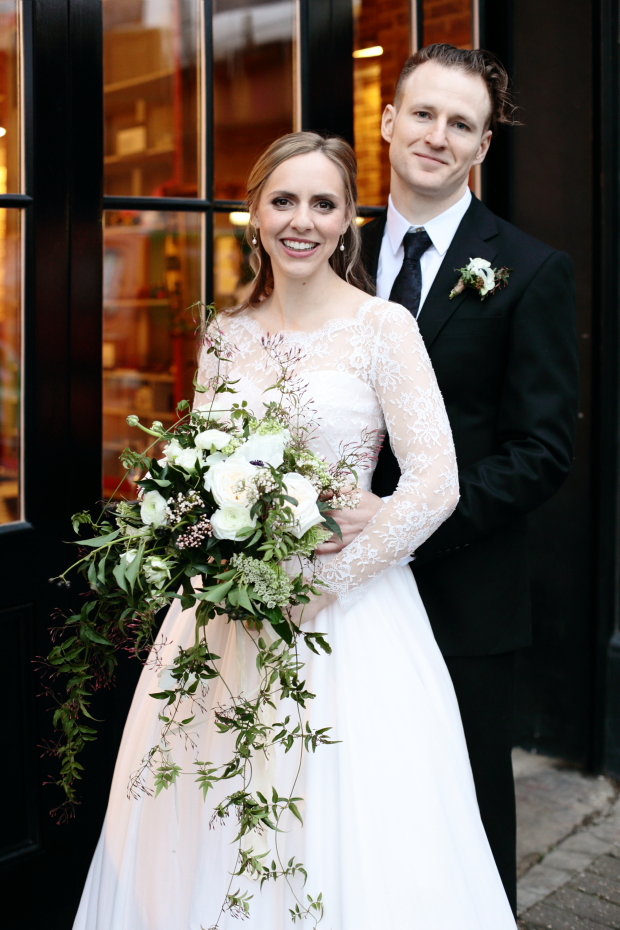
507,369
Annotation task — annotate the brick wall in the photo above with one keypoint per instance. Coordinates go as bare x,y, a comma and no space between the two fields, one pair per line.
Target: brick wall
447,21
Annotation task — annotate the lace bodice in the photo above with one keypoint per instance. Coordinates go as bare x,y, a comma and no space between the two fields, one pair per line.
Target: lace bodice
368,372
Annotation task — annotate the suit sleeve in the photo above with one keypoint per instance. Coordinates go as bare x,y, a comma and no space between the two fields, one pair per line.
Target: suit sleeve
536,419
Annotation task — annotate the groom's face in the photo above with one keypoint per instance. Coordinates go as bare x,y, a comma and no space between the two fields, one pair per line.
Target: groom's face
439,130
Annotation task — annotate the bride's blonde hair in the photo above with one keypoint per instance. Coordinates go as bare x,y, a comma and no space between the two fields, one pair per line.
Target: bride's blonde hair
345,263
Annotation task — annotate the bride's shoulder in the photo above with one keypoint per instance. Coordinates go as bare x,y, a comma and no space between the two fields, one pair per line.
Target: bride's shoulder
387,315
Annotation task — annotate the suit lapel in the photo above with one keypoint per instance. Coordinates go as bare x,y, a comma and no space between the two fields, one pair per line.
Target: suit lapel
473,239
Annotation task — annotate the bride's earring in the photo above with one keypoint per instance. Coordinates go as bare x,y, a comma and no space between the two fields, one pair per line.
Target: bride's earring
342,243
254,239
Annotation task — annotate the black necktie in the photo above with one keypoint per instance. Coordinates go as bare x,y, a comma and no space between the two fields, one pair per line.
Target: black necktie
407,287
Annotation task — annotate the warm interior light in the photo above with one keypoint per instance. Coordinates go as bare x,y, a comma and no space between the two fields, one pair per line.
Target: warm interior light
239,219
371,52
360,220
2,131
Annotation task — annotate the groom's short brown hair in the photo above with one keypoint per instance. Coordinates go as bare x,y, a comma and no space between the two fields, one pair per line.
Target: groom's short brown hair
471,61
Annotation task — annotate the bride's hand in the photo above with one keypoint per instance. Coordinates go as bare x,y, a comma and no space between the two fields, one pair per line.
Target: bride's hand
351,522
303,613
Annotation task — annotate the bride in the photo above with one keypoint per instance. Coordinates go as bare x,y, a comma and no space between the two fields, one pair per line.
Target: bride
392,836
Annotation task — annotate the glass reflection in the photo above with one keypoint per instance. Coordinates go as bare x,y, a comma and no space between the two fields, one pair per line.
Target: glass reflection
10,174
382,43
253,85
451,23
232,274
152,274
10,364
152,97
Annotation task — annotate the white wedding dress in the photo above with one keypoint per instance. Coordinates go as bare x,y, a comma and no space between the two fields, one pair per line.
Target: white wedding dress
392,835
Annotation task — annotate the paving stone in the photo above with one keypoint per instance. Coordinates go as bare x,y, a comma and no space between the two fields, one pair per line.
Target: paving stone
543,879
550,918
607,830
590,883
562,858
586,906
585,842
609,866
528,897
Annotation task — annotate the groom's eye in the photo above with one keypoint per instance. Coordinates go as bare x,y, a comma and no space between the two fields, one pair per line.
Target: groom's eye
462,126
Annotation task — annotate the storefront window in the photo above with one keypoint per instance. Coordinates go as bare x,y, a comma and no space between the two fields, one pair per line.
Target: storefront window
10,267
382,43
232,274
152,54
253,85
152,275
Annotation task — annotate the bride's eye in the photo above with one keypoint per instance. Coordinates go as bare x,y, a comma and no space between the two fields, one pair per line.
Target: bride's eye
325,205
280,201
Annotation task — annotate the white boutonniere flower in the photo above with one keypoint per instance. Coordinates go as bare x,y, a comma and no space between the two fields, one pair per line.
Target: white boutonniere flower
479,275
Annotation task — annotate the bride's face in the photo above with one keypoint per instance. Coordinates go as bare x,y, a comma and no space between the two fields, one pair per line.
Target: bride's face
302,214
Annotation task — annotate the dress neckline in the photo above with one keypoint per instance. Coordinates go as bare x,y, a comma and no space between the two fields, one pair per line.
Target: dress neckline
302,335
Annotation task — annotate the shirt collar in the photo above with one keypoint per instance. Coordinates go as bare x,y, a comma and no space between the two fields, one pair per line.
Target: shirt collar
441,229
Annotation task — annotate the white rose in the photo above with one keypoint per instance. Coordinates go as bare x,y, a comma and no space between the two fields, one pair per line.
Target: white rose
153,509
306,512
215,457
268,448
156,571
476,264
230,482
229,520
212,438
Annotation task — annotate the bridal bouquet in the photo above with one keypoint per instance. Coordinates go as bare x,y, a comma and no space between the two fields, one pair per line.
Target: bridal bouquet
227,520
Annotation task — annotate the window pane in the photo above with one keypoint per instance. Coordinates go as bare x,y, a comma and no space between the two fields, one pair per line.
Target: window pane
232,274
152,274
10,365
452,23
253,86
10,174
382,43
152,97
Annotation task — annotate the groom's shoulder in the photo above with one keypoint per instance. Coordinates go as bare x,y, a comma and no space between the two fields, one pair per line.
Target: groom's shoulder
511,241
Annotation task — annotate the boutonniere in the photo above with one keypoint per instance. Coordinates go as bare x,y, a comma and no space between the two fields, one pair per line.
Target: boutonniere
479,275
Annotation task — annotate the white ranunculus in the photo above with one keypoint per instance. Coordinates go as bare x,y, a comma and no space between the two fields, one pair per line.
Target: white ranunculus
268,449
230,482
153,509
229,520
182,458
306,512
156,571
212,438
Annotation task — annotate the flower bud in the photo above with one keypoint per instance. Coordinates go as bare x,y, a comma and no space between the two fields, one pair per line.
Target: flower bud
133,420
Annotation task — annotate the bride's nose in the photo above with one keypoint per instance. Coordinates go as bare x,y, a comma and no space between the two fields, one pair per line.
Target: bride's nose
302,219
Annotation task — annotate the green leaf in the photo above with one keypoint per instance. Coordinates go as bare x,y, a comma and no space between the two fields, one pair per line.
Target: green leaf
331,525
119,573
131,573
98,541
244,600
94,637
216,594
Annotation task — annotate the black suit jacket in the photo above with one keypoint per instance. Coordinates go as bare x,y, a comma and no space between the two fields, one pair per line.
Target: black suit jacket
507,369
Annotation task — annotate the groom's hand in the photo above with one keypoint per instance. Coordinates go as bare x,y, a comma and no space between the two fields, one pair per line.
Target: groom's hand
351,522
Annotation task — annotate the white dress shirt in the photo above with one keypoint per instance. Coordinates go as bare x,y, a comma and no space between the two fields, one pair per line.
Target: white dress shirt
441,230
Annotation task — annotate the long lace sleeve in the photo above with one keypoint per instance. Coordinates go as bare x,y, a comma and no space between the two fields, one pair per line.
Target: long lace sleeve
420,436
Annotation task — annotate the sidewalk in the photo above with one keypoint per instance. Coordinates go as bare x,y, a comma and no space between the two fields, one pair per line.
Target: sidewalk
568,847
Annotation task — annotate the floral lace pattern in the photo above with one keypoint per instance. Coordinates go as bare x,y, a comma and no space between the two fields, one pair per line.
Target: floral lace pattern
367,372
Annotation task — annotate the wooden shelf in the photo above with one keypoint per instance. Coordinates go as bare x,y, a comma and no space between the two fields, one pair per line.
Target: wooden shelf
129,411
137,375
137,302
137,158
138,81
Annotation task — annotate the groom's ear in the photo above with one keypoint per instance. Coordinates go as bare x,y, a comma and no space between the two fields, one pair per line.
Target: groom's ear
483,147
387,122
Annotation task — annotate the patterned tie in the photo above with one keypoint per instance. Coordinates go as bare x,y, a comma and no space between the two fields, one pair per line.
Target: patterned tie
407,287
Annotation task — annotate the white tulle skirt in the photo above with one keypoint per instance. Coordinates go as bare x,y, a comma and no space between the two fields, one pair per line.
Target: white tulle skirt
392,835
